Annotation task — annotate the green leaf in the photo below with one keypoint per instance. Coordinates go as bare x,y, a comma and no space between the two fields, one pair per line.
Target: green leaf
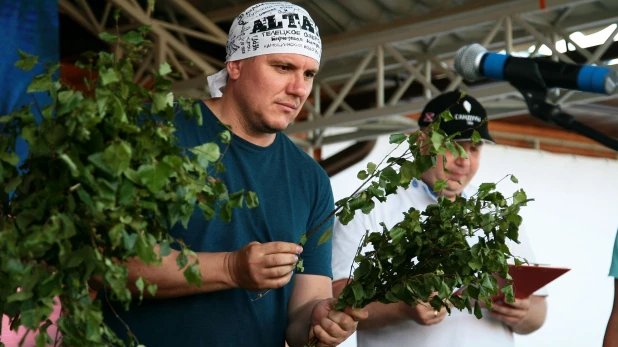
115,234
152,289
367,206
408,172
97,160
27,61
107,37
19,296
475,265
444,291
181,260
514,179
164,248
440,185
371,168
486,187
345,216
397,138
487,282
160,101
328,233
129,241
108,76
450,146
154,177
9,157
462,151
164,69
70,164
362,175
210,151
509,294
519,197
476,137
359,293
117,156
133,37
299,265
436,139
225,135
251,199
446,115
151,5
41,83
12,184
193,275
140,284
236,199
397,234
303,239
477,310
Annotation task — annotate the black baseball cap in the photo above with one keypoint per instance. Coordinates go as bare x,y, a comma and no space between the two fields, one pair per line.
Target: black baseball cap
468,115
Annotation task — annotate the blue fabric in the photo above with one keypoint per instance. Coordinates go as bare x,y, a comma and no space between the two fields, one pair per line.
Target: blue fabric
31,26
613,270
294,194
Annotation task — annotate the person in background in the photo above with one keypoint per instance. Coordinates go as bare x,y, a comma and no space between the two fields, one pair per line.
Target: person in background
399,324
611,332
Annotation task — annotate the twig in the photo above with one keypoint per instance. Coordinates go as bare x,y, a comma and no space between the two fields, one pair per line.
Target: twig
118,316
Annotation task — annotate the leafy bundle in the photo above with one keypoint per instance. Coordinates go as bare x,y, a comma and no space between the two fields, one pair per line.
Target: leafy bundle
103,182
428,251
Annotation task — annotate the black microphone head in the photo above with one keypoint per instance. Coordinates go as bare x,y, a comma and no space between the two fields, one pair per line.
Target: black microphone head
468,60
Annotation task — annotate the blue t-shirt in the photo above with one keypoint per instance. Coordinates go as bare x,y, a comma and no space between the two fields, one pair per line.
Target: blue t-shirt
613,270
294,196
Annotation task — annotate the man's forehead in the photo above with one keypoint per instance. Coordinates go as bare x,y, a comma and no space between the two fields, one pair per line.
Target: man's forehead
293,58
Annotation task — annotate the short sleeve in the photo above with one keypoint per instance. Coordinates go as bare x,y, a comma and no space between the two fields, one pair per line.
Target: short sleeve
613,270
317,258
346,240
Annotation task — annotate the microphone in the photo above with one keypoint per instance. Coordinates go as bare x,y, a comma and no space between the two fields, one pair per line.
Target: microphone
473,62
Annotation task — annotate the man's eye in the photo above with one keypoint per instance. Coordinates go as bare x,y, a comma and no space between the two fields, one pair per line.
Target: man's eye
309,74
283,67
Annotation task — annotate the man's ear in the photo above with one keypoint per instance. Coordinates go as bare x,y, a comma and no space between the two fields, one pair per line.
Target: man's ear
233,69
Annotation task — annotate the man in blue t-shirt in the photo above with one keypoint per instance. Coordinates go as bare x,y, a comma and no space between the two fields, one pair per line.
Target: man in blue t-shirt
266,83
611,332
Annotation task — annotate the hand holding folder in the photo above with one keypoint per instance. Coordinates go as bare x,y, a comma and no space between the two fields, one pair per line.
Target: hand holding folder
527,279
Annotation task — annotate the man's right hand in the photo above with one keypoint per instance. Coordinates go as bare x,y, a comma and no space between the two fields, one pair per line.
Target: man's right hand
423,313
258,266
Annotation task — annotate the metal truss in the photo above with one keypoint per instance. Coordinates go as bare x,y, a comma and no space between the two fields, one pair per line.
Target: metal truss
393,68
421,50
171,39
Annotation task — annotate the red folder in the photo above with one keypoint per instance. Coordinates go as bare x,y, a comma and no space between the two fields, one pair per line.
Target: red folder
527,279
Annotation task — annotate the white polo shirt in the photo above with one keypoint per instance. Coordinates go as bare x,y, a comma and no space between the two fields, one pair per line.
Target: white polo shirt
460,329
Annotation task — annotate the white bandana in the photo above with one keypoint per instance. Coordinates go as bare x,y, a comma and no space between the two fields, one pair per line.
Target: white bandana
266,28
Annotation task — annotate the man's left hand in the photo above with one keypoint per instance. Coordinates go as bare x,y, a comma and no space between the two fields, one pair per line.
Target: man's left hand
511,313
333,327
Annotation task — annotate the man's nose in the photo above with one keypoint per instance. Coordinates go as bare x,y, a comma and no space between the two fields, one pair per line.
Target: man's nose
299,86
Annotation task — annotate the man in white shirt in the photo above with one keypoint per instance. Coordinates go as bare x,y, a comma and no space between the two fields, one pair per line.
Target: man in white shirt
400,324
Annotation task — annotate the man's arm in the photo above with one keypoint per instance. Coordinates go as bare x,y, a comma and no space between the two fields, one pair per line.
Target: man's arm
254,267
310,312
524,316
381,315
611,332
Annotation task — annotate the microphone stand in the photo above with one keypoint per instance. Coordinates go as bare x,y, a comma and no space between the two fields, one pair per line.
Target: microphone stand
534,91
